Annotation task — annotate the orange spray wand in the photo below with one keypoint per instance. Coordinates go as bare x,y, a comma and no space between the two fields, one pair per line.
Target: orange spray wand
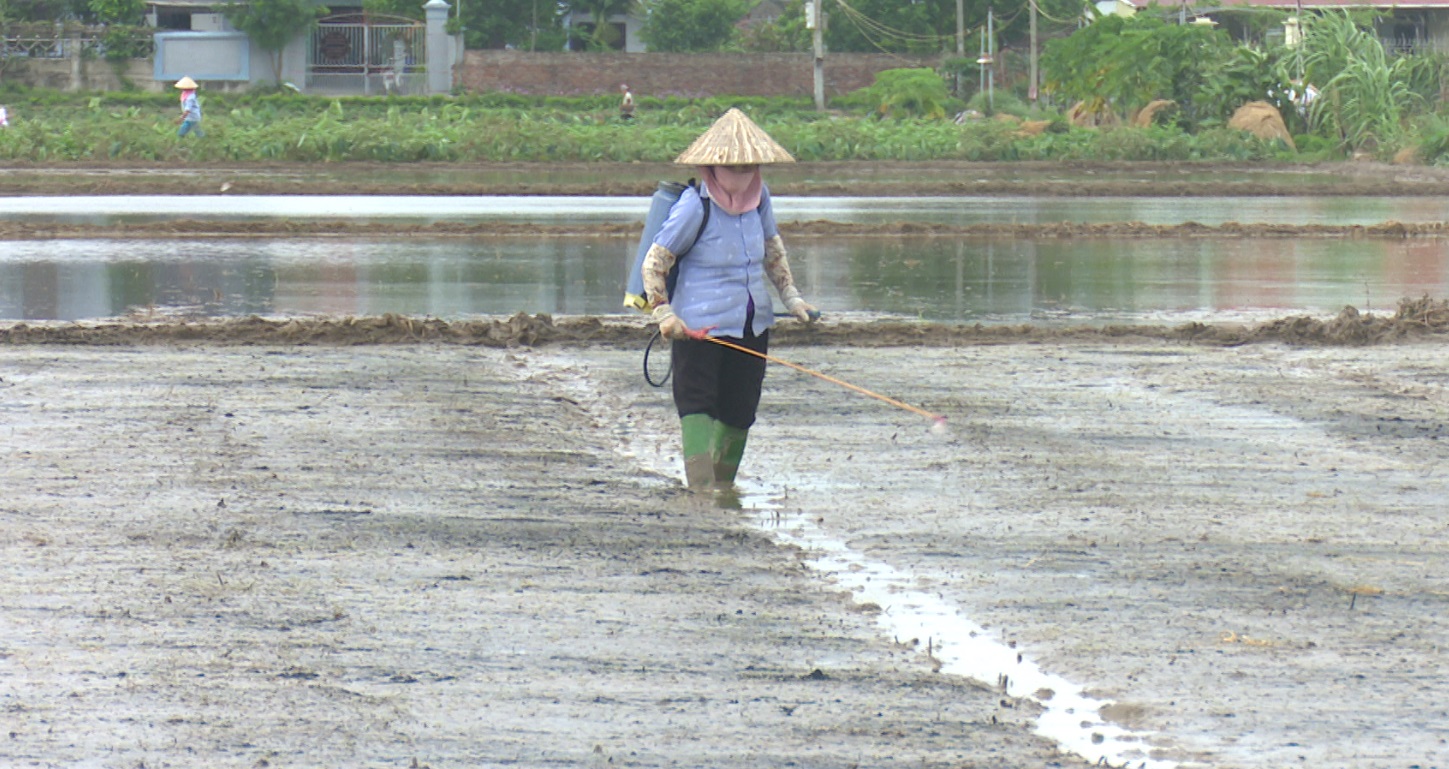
938,420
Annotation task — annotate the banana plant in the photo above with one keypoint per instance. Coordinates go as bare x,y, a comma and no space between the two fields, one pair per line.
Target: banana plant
1365,96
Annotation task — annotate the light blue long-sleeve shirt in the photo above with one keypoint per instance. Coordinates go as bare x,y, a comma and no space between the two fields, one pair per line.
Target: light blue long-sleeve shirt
725,269
191,108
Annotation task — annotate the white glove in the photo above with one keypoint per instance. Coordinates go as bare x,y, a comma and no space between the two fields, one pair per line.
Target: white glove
801,309
670,326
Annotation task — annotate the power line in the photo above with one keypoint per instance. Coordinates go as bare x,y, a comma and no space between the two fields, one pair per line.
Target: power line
1047,16
861,21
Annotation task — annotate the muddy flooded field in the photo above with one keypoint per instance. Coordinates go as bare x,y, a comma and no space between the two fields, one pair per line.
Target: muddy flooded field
377,542
396,541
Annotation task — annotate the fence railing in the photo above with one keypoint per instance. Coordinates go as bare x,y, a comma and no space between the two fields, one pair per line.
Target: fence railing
373,58
68,41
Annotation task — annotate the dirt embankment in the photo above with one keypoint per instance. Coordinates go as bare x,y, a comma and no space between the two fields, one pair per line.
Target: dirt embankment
817,179
332,228
1414,319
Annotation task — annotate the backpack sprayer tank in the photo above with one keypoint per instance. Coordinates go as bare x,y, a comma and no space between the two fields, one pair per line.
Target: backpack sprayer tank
664,199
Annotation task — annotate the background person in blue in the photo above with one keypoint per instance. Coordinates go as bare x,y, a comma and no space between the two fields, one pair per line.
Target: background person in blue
721,292
190,108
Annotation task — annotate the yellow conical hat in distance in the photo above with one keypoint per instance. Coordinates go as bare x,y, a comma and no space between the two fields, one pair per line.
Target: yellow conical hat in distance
734,140
186,84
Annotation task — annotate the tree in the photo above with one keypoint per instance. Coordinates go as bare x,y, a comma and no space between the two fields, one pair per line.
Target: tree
602,36
909,93
1247,73
120,41
524,24
118,11
1121,64
923,27
271,24
679,26
412,9
45,10
1364,92
783,34
929,26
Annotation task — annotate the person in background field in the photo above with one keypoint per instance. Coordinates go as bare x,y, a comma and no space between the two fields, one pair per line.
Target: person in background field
4,117
720,292
190,108
626,106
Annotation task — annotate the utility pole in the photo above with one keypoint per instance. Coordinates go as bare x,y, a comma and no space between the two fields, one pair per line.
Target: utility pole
960,28
1031,93
981,63
815,20
991,54
960,44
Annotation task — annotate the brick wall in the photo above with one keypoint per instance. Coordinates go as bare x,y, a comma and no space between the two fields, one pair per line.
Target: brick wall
682,74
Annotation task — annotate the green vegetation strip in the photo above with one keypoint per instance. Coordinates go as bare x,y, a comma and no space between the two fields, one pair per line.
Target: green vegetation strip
47,128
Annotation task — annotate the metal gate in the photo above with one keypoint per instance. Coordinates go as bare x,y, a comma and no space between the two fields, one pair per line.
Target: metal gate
367,54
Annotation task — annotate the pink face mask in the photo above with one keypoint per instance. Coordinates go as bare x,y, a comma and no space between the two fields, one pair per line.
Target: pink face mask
735,188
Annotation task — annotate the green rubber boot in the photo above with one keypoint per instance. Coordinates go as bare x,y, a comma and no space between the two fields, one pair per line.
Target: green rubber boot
728,450
698,432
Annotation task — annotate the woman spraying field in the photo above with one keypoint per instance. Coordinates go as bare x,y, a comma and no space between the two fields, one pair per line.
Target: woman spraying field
721,292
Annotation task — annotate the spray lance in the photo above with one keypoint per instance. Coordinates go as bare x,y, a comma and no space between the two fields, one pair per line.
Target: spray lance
938,422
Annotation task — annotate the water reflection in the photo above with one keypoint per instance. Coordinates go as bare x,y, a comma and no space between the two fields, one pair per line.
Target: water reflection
1135,280
954,210
976,280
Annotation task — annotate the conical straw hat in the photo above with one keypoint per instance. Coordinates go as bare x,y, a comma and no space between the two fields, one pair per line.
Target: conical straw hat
734,140
186,84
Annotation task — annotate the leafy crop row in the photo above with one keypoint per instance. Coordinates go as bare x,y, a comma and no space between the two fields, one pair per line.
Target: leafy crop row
499,127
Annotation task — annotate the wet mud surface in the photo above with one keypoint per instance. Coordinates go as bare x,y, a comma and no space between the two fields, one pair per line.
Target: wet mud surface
1242,549
421,556
271,547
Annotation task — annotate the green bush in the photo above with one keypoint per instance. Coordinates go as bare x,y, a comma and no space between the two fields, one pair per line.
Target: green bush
1432,134
899,93
1313,147
988,141
1233,144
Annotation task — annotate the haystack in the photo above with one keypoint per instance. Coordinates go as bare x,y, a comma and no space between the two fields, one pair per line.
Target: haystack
1034,127
1262,120
1148,115
1409,156
1083,116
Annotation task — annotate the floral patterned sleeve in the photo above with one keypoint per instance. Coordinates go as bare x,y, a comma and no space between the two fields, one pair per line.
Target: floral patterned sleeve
777,267
658,261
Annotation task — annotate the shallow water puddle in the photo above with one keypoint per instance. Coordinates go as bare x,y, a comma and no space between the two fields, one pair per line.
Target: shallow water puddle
1070,718
987,280
963,648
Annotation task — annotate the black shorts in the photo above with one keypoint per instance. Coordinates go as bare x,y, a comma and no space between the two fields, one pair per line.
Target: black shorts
712,379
